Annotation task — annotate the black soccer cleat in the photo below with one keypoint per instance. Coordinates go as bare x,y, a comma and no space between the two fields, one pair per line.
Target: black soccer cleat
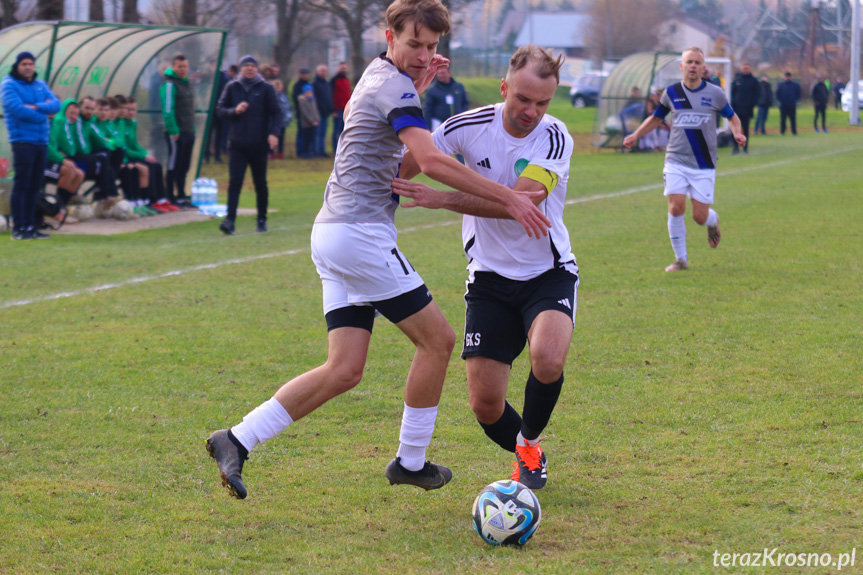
262,225
530,467
431,476
230,461
227,227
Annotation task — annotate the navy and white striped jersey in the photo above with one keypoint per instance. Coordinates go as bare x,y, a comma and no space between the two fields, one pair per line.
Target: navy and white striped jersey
692,142
360,187
501,245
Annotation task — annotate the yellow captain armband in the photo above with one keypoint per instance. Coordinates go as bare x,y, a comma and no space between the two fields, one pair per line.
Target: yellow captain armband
545,177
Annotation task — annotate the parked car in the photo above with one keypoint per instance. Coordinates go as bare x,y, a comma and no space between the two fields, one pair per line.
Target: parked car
846,97
586,88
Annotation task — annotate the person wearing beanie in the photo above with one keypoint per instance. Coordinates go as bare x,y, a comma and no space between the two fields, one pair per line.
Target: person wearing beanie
27,105
251,105
178,112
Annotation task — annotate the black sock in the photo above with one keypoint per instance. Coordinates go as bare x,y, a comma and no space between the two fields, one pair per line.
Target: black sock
539,401
244,453
505,430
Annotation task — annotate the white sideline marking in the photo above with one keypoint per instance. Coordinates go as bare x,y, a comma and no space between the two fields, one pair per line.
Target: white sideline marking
103,287
733,172
214,265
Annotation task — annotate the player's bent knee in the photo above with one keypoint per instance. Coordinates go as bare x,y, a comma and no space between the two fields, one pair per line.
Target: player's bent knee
486,412
344,377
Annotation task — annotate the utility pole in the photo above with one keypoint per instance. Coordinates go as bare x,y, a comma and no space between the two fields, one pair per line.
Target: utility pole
854,76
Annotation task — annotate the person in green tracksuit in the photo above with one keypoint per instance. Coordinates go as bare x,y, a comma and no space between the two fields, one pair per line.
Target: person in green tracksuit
178,112
59,169
71,136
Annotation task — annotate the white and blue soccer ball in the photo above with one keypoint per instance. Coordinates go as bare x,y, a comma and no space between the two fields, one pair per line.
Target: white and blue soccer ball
506,513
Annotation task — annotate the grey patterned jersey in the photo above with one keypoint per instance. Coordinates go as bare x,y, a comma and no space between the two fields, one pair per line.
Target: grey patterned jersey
369,152
692,142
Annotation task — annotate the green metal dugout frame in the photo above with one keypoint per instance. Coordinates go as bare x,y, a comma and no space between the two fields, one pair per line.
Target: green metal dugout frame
98,59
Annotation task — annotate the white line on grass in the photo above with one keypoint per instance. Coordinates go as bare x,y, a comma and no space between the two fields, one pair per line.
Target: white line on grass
214,265
733,172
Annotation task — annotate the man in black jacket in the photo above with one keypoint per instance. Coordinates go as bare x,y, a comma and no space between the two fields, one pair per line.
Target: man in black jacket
820,95
250,103
324,100
296,93
765,100
788,94
744,96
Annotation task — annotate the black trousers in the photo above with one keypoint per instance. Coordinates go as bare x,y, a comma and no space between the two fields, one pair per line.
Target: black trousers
97,168
744,128
791,115
820,109
179,162
29,162
242,156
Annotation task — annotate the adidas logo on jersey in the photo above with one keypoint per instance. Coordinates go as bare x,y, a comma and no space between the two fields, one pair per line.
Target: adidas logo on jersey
484,164
564,302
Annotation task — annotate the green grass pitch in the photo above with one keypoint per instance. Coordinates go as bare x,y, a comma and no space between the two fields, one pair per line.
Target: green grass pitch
716,410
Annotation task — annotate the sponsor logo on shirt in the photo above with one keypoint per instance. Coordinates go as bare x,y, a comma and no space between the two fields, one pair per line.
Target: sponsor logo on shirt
691,120
520,165
407,96
706,102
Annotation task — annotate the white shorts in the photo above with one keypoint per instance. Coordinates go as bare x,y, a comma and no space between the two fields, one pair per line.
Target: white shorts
691,182
360,264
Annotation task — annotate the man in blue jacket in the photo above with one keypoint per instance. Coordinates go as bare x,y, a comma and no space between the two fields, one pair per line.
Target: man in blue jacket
27,103
251,105
788,94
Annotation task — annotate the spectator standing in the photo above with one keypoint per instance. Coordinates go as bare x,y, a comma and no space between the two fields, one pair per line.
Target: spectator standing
765,100
296,93
27,103
788,94
711,78
444,98
178,112
820,97
310,118
251,104
341,94
324,101
286,117
745,91
838,87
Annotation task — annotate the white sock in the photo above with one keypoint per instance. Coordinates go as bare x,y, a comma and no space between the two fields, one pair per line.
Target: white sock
415,436
711,219
520,440
263,423
677,233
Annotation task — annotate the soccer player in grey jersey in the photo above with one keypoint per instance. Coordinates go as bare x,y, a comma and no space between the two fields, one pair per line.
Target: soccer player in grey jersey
690,157
362,270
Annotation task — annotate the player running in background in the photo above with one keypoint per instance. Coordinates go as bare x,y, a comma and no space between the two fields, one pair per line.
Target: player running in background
361,267
518,290
690,157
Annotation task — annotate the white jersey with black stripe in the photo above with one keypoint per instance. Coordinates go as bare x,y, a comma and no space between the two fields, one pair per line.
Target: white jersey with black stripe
501,245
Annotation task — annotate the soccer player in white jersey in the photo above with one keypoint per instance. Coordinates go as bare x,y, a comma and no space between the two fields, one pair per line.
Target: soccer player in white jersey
518,290
690,157
362,270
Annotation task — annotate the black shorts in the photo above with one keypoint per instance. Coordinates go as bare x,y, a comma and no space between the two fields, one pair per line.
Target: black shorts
500,311
394,309
52,171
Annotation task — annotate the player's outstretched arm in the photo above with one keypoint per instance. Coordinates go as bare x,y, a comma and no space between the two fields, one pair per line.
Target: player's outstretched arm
423,196
737,130
649,124
438,166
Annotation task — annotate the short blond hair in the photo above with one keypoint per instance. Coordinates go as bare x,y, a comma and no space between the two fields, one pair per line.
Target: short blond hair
431,14
693,49
543,62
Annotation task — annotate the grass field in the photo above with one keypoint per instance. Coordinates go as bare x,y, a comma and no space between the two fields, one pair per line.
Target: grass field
717,410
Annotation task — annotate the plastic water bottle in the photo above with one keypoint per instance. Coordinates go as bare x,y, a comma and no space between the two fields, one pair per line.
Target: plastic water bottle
196,192
214,192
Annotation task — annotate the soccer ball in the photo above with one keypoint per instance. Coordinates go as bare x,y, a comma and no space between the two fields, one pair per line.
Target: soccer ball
506,513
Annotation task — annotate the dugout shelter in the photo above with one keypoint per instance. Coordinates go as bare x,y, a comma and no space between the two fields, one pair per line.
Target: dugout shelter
97,59
618,113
